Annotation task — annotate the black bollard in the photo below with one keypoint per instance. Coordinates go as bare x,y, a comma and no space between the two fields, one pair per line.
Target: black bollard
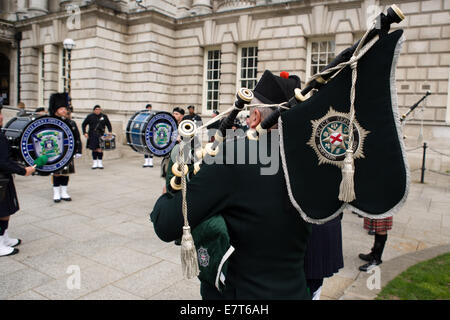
423,162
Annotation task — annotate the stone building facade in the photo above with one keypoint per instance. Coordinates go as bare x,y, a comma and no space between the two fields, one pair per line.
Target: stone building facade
176,53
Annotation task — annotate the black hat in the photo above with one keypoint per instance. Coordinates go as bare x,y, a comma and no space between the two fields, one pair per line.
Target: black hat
273,89
148,106
96,107
189,107
58,100
178,109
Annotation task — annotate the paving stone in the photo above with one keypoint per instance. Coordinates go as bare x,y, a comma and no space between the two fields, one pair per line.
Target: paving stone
183,290
91,279
30,249
110,293
9,265
20,281
28,295
150,281
56,262
125,260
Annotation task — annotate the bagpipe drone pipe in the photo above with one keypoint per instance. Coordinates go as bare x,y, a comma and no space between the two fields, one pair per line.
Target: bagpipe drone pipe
342,147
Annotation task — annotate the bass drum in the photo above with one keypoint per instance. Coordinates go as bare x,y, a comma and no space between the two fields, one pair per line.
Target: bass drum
152,132
32,137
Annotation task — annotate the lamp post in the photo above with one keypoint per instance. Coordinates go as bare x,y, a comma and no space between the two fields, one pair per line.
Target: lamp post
69,44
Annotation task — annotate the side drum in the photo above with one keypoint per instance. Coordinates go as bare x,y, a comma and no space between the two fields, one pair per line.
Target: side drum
152,132
108,142
32,137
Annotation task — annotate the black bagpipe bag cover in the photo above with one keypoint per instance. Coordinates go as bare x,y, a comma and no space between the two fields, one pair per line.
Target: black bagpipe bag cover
381,178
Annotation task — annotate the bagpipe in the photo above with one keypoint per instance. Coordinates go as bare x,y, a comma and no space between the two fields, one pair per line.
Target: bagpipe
46,142
340,148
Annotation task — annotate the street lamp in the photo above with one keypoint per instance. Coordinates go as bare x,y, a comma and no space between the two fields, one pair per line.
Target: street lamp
69,44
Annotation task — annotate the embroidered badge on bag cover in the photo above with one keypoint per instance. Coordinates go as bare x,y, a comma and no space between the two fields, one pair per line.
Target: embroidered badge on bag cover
203,257
330,135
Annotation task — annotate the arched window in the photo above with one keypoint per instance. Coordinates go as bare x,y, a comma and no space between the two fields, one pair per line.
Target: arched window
4,78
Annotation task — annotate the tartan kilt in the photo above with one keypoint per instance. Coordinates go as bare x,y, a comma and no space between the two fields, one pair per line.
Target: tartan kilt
378,225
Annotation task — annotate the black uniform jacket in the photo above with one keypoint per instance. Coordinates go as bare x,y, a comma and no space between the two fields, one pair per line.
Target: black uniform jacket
97,124
78,144
268,234
9,203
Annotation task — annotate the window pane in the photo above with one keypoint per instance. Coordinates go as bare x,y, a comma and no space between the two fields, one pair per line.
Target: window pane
314,47
244,52
250,51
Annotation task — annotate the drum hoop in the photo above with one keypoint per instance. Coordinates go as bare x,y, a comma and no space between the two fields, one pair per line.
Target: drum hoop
66,128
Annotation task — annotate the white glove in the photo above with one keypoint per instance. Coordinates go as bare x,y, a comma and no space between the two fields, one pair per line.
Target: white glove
78,155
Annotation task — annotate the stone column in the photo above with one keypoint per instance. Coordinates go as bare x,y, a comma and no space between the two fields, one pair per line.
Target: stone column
29,76
201,7
51,70
38,7
183,7
228,75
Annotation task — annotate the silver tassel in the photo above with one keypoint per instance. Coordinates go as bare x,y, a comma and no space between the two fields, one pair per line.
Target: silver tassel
189,262
347,187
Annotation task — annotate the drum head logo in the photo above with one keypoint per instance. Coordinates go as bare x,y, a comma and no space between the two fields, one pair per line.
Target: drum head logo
51,137
203,257
330,136
49,143
161,134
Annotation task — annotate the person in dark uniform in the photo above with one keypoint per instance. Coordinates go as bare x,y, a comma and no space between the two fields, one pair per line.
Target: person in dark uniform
323,254
97,121
267,232
193,116
9,203
59,107
148,157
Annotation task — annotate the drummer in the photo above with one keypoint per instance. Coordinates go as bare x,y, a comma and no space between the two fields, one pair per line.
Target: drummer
148,157
59,107
97,121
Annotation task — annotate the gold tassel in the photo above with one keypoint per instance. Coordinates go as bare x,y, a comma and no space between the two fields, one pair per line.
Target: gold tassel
189,262
347,188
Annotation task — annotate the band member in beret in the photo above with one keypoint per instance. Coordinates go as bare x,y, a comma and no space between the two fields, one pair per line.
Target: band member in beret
9,203
193,116
97,121
59,107
148,157
267,232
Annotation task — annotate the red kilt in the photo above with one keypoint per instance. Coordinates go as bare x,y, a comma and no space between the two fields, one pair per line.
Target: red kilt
378,225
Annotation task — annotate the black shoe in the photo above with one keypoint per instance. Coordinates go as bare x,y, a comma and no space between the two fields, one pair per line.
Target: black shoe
57,200
66,199
366,257
19,242
371,232
15,251
370,265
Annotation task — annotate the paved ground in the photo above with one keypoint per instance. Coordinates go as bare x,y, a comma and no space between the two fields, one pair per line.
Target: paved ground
106,232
